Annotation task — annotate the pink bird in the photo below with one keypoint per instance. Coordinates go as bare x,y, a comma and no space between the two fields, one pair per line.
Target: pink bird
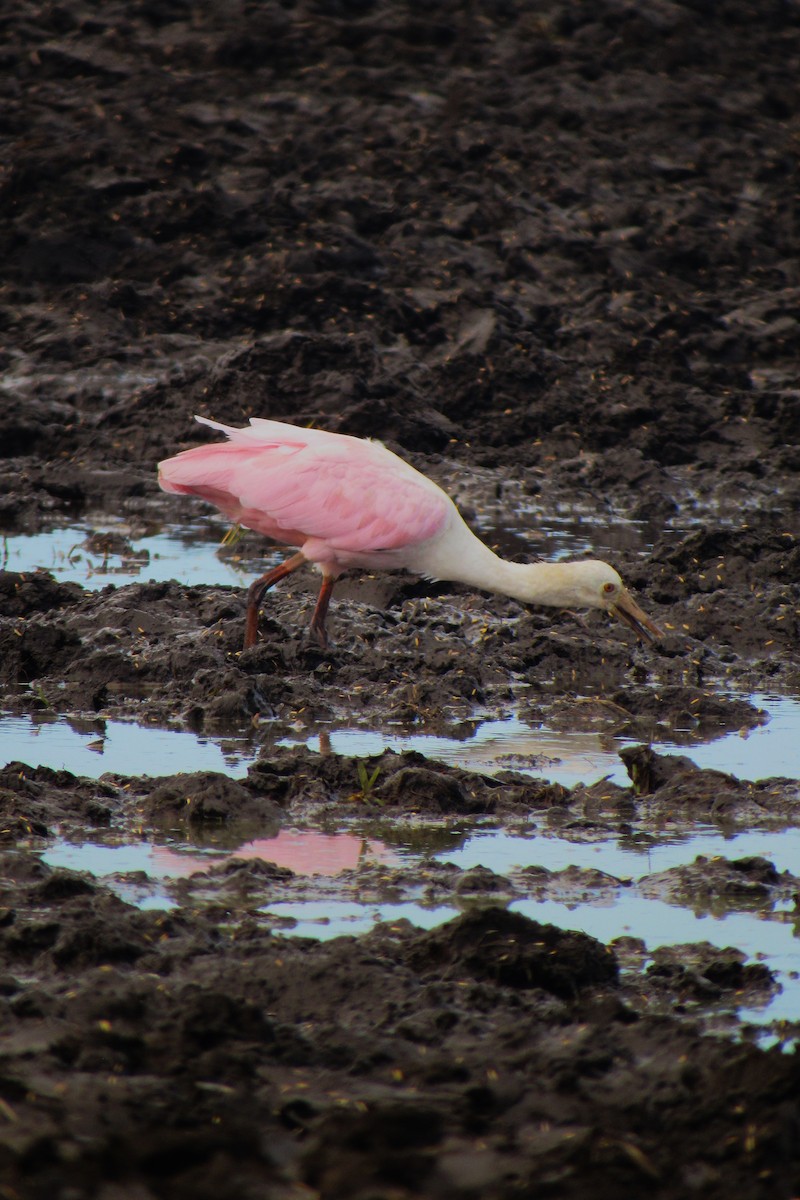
349,503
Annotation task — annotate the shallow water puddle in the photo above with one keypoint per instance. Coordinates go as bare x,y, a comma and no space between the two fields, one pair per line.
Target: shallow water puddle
119,747
94,555
91,749
309,852
304,851
507,852
770,936
773,941
577,757
765,751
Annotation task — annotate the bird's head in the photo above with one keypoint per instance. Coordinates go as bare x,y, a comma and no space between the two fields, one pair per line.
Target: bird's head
597,585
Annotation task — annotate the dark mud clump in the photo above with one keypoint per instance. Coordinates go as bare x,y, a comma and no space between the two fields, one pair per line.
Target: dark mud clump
495,1051
507,949
551,257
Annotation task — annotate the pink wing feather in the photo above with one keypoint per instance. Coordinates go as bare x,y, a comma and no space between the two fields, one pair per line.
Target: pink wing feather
337,496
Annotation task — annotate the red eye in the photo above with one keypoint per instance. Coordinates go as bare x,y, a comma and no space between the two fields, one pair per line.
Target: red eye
608,588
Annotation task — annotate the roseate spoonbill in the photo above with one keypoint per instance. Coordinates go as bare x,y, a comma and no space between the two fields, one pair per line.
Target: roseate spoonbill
346,502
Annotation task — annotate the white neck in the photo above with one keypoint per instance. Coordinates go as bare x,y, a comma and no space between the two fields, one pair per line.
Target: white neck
463,558
531,583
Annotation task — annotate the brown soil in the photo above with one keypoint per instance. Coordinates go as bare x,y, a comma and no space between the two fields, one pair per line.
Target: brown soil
549,253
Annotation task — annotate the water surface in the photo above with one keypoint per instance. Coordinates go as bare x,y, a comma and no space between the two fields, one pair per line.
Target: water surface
564,757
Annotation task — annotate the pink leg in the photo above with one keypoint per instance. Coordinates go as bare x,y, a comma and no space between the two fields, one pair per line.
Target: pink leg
256,591
317,626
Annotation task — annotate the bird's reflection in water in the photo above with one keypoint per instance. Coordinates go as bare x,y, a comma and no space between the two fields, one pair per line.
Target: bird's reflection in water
305,852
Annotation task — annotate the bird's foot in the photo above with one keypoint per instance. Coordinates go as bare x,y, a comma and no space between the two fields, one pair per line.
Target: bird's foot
320,635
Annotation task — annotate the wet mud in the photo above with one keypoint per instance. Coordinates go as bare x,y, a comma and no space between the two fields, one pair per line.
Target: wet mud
550,255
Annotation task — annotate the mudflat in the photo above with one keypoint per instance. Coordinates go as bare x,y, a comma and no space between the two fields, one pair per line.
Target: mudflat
549,255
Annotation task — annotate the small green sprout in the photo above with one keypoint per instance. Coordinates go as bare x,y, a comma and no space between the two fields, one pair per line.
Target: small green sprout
366,781
234,535
39,693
